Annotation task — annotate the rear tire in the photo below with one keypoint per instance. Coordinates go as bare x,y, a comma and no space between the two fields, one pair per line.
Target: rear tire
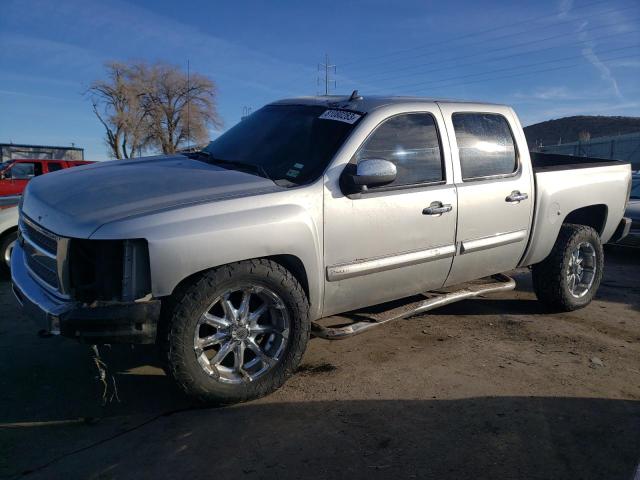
218,355
570,276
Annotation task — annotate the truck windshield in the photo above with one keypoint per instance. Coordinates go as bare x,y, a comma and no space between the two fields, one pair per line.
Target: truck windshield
290,144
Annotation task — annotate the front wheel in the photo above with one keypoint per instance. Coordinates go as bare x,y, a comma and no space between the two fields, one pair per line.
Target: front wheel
237,333
570,276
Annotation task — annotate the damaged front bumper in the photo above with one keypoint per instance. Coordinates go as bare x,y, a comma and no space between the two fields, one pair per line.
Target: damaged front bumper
98,323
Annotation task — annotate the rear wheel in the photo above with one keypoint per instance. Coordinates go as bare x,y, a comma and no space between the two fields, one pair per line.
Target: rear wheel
570,276
237,333
6,247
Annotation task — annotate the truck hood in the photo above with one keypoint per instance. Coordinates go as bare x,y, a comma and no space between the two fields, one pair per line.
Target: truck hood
77,201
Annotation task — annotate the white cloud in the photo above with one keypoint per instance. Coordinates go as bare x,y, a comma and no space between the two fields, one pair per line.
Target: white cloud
564,7
590,55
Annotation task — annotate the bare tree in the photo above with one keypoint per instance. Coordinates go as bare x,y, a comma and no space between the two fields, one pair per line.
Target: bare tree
180,108
116,104
153,106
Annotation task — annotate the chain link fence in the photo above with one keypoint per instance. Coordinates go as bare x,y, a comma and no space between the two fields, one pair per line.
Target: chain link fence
621,147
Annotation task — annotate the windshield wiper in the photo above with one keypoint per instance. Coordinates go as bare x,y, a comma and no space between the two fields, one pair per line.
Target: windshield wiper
247,167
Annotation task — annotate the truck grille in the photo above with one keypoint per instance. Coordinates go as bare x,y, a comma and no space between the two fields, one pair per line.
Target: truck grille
39,236
41,247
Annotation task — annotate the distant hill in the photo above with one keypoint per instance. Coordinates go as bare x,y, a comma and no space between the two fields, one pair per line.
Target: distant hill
568,129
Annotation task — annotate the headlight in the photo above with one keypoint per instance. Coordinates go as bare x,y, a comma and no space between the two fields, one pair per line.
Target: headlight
109,270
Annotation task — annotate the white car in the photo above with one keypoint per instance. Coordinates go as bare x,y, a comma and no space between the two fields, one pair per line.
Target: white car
633,212
8,233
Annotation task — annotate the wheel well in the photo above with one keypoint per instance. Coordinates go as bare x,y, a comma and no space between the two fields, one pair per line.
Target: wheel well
296,267
7,232
594,216
290,262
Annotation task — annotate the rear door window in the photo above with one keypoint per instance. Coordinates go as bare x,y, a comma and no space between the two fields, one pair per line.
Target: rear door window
54,166
485,145
411,142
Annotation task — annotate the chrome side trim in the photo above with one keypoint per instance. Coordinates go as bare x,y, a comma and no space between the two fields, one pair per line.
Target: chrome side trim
485,243
365,267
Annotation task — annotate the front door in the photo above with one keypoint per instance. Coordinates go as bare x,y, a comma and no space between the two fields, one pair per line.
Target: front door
398,239
17,176
495,191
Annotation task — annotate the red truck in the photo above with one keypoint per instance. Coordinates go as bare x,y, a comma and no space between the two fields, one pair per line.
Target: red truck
15,174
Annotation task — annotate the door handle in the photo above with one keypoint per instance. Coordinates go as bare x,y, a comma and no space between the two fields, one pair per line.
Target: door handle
437,208
516,196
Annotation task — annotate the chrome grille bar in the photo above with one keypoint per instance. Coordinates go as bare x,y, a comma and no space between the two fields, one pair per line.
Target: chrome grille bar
46,255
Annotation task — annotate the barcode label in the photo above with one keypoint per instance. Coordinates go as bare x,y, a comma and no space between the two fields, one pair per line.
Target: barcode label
340,116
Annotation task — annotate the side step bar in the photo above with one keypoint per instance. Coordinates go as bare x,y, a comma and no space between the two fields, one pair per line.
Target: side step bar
499,283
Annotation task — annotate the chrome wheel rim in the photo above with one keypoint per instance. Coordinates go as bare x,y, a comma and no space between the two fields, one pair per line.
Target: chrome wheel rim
7,253
242,335
581,270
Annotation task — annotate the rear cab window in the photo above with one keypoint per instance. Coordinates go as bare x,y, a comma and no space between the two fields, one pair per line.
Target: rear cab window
486,146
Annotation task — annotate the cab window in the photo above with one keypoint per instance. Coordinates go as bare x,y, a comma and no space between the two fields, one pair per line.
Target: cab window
485,145
411,142
23,170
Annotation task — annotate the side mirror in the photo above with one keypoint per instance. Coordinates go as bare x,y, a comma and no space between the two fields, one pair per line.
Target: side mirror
368,173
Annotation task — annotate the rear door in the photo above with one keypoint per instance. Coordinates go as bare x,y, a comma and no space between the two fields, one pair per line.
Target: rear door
382,244
493,177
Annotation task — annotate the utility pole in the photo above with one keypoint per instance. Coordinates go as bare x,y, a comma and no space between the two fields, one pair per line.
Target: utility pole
246,111
188,104
324,71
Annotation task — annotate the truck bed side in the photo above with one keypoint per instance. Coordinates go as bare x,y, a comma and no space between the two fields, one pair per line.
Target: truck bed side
570,188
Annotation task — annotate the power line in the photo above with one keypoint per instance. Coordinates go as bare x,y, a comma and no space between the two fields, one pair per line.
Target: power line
507,69
507,47
440,67
575,64
325,69
468,35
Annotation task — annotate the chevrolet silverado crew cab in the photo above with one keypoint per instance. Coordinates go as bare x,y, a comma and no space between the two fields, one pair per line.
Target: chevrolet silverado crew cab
230,258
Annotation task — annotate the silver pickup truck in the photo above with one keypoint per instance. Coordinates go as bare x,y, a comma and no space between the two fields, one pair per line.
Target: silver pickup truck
229,258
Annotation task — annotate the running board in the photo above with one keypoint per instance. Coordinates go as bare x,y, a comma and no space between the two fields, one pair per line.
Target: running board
493,284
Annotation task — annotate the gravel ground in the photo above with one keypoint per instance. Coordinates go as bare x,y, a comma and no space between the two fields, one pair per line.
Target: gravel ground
486,388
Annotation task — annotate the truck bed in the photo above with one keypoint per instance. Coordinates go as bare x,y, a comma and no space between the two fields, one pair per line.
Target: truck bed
548,162
565,184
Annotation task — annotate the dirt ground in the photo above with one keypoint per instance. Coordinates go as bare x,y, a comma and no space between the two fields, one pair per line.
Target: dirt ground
486,388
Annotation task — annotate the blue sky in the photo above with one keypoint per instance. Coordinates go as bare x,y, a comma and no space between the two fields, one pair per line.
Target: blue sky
547,58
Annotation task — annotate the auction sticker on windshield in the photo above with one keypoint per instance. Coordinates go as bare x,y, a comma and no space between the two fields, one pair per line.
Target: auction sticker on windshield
340,116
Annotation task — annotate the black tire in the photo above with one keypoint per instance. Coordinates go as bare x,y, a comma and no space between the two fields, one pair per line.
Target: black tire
187,305
5,244
550,278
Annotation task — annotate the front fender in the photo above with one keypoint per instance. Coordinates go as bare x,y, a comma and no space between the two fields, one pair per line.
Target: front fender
189,240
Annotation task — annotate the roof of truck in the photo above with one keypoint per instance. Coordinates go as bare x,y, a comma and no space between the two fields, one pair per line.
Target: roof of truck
365,103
